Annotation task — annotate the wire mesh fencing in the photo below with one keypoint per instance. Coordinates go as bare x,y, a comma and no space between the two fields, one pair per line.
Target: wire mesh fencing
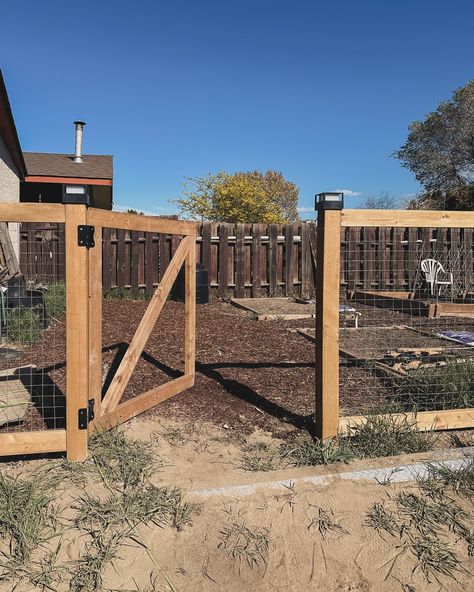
33,328
410,292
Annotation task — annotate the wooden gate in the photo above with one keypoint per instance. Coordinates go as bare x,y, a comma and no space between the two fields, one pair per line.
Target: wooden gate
85,408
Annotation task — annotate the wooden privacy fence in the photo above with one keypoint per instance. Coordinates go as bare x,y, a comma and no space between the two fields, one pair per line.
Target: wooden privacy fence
75,250
251,260
330,264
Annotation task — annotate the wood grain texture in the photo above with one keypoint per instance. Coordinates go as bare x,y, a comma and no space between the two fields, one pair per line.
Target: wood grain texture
77,332
405,218
40,442
452,419
125,221
95,321
141,403
327,323
190,311
34,212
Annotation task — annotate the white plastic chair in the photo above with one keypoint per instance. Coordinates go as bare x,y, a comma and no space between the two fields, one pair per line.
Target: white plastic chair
432,268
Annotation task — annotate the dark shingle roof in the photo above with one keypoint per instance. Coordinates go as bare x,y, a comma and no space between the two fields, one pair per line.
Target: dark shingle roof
8,130
95,166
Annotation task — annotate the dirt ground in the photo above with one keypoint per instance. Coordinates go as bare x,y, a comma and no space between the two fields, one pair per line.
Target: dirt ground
205,460
249,374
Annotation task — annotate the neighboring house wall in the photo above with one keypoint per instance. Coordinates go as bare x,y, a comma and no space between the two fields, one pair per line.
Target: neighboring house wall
9,190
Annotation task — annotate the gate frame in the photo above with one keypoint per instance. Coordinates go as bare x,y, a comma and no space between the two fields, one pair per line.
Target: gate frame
329,423
84,327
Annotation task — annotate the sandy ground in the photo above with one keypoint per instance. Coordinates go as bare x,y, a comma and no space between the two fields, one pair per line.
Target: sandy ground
202,457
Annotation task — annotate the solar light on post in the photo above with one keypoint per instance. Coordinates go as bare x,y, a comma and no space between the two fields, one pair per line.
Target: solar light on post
328,255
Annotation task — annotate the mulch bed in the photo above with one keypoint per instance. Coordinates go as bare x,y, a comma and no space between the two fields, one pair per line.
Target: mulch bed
250,374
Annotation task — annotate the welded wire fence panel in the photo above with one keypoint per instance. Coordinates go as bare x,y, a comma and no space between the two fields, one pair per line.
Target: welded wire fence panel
33,331
413,348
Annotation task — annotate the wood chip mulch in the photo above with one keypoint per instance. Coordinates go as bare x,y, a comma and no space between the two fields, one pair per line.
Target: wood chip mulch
249,374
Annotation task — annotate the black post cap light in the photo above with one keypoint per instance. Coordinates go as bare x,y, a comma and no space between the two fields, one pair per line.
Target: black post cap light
76,194
329,201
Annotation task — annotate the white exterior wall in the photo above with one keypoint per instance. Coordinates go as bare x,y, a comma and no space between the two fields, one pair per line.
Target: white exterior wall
9,190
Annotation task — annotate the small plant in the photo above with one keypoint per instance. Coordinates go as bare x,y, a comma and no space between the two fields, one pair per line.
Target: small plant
258,456
86,573
461,479
117,293
26,516
325,523
121,460
388,435
143,505
423,522
23,325
381,519
55,300
245,544
435,558
419,512
304,451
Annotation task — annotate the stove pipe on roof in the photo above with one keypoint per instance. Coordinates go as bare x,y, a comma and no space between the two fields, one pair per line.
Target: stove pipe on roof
79,127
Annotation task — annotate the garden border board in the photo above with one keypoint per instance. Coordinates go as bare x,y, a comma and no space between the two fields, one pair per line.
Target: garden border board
408,302
247,305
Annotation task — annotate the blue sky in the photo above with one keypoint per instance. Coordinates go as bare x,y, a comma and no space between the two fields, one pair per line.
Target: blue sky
322,91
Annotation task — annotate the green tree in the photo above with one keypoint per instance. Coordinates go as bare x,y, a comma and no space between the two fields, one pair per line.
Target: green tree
439,151
246,197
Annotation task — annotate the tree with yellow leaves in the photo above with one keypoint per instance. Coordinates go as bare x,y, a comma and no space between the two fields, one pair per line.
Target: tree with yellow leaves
247,197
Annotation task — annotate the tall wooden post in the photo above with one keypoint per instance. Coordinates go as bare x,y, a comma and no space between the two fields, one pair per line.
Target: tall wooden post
327,314
190,310
77,334
95,322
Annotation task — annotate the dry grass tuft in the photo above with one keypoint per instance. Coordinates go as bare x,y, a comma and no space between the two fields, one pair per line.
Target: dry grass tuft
326,524
244,544
259,456
27,517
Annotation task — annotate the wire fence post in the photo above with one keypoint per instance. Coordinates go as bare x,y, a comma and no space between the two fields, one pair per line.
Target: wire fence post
328,256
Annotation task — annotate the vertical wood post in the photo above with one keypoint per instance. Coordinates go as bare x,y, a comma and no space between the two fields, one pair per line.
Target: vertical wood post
77,333
190,310
95,321
327,322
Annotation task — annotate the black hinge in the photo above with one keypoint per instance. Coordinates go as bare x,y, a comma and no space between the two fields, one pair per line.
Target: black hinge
85,415
85,236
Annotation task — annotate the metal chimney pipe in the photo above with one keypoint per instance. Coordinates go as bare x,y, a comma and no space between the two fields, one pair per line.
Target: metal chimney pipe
78,153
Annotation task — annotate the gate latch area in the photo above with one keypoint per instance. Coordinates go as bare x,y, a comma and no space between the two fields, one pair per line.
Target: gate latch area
85,415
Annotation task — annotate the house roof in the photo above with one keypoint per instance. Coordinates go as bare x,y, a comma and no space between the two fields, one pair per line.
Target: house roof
43,164
8,130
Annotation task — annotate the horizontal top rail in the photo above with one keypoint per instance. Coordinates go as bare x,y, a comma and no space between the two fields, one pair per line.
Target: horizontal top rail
408,218
124,221
32,212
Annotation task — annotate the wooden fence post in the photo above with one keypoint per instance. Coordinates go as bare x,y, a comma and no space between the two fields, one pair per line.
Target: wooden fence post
190,311
327,315
77,333
95,321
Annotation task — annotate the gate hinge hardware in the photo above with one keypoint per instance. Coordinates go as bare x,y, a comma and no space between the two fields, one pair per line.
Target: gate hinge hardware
85,236
85,415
